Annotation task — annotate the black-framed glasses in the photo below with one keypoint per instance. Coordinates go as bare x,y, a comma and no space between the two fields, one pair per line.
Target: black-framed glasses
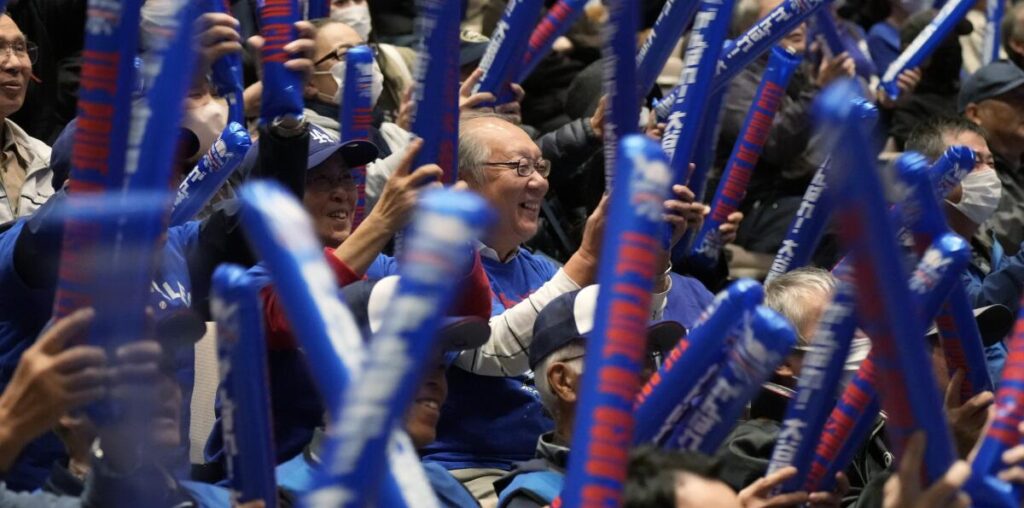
525,167
21,49
339,53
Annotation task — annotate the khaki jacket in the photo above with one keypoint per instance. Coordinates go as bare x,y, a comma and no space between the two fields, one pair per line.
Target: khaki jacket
38,186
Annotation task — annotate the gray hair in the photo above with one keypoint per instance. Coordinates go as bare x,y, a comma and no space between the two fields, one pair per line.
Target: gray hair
789,295
927,138
473,153
548,399
745,14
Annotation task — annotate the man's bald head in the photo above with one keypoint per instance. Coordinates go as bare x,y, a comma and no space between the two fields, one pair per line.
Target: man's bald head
479,134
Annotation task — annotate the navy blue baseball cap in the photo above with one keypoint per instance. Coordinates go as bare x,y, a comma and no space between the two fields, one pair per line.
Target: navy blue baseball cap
990,81
472,46
570,317
370,302
323,144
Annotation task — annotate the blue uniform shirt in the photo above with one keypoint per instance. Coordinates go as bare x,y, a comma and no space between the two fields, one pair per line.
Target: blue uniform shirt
494,421
24,311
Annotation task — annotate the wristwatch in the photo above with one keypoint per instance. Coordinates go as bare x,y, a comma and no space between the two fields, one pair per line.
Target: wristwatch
289,126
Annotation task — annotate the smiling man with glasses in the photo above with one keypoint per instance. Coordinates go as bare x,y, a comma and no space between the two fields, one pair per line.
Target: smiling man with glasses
24,160
494,414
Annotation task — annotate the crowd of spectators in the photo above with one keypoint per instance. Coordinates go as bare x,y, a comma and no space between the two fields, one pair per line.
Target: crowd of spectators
493,420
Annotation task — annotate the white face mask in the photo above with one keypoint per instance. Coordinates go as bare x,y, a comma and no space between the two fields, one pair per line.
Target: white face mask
356,16
981,193
338,73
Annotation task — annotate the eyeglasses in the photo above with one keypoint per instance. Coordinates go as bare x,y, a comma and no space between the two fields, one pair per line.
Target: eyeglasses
339,53
21,49
525,167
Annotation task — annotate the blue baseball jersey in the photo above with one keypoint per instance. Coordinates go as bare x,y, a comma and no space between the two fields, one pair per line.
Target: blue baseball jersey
24,312
296,407
494,421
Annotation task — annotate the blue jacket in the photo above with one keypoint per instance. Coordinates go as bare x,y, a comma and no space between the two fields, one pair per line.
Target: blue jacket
994,278
686,301
298,474
1001,283
24,311
536,482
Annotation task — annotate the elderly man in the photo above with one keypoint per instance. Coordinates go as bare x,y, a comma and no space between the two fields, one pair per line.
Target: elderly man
993,98
464,328
992,277
801,296
493,415
24,167
556,357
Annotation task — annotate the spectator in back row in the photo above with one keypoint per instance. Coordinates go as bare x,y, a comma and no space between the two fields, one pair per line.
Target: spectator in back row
1013,34
936,92
993,98
24,160
789,158
493,415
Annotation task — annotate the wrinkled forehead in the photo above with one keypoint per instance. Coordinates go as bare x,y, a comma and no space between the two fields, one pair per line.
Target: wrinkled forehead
502,138
9,31
970,139
332,35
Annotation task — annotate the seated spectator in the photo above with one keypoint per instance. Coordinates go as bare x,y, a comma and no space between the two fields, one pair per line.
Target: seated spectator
992,277
884,36
789,157
369,302
493,415
323,92
24,170
801,296
993,98
329,195
161,410
556,357
30,250
52,378
748,448
323,95
936,92
58,29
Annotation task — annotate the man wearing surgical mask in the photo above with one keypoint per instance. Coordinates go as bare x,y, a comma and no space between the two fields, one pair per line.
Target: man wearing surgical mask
396,62
323,95
993,277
